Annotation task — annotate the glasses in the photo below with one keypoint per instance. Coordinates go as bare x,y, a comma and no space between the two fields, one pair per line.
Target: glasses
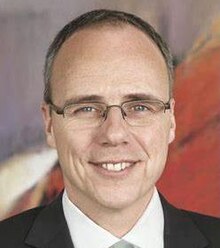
93,114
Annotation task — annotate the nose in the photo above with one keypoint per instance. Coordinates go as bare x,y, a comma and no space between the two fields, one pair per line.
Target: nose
114,130
115,106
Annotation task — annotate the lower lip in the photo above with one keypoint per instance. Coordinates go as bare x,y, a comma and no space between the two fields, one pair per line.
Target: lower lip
107,173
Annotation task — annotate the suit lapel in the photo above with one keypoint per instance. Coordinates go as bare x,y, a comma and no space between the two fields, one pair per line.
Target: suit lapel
179,230
49,229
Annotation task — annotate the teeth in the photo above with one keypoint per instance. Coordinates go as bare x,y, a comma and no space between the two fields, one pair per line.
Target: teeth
104,166
124,165
110,167
116,167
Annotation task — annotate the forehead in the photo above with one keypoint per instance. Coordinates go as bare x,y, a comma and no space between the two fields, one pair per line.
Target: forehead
109,61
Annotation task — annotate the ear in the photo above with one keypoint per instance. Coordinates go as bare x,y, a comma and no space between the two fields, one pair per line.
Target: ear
172,121
48,125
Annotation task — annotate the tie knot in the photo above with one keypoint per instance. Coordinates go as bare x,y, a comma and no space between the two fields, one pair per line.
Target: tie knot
123,244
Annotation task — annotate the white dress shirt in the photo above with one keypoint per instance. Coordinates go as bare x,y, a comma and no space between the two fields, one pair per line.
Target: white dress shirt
146,233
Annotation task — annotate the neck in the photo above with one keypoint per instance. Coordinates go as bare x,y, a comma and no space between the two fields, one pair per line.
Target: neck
109,218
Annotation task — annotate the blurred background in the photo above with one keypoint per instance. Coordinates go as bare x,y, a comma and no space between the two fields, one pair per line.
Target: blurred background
29,171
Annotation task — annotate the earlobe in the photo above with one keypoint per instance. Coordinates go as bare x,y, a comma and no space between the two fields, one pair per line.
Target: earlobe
48,125
171,136
172,122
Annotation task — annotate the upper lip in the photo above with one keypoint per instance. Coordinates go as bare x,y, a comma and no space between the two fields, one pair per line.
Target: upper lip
114,161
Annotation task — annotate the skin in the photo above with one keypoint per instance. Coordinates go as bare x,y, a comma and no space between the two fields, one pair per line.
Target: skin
110,62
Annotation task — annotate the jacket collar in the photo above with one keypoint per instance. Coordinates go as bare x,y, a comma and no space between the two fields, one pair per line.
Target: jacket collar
179,229
50,229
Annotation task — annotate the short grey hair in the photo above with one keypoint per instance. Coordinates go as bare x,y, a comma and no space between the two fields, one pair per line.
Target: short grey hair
103,17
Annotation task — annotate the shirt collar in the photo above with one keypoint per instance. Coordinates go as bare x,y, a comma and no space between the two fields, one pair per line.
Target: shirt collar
147,232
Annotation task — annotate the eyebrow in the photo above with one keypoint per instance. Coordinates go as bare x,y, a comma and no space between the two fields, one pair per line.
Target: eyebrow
139,96
84,98
98,98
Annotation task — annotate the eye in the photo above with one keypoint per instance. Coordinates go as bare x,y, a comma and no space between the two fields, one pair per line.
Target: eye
80,110
140,108
85,109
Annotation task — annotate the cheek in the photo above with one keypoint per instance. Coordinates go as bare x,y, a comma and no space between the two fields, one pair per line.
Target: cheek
159,141
72,143
72,147
153,139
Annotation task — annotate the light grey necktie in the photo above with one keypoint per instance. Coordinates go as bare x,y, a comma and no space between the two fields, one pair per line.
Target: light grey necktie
123,244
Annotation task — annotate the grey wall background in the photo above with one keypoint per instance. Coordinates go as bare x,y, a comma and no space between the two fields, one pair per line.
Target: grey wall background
26,29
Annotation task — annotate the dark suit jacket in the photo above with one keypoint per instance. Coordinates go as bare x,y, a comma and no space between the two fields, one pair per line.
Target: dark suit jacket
45,227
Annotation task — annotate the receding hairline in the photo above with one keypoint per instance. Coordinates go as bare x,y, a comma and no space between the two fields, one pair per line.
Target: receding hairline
111,27
109,21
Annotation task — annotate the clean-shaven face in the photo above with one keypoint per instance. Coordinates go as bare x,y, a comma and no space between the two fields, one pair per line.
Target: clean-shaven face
111,64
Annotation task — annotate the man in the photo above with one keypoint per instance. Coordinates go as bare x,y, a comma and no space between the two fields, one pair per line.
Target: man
109,112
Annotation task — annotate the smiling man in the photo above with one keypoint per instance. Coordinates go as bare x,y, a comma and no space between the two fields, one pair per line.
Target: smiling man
108,111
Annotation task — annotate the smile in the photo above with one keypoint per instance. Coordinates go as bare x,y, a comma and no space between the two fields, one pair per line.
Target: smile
116,167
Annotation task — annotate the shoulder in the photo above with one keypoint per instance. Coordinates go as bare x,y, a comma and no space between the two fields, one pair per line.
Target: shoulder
14,229
208,225
192,227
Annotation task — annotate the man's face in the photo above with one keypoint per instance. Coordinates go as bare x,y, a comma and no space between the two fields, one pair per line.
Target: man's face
112,63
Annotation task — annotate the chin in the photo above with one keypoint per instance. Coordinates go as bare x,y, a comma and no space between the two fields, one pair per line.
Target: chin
118,200
116,205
